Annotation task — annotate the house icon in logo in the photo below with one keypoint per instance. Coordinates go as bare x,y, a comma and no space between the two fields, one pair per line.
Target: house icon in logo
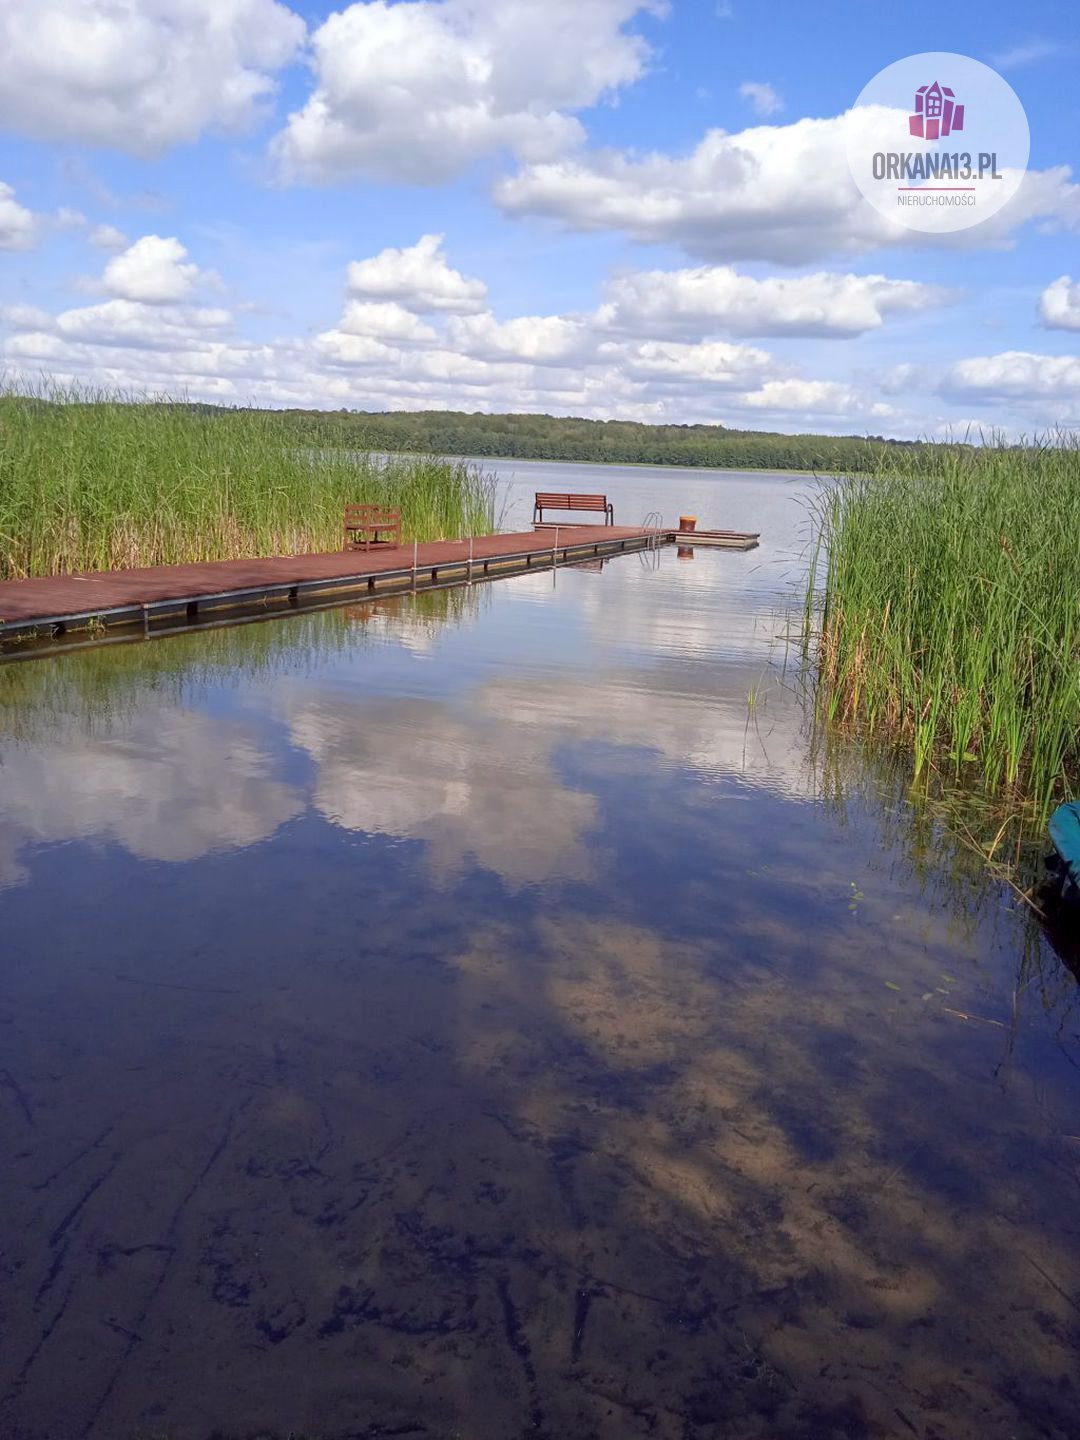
936,113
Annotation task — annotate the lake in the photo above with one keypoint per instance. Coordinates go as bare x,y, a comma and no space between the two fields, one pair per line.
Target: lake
497,1012
722,499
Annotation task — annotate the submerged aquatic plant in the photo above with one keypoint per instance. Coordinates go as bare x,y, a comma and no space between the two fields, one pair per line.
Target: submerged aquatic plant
941,611
100,479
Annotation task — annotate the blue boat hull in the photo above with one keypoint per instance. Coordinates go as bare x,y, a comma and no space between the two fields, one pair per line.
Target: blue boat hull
1065,834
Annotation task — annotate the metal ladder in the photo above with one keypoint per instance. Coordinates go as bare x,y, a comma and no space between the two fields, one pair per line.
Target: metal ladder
650,555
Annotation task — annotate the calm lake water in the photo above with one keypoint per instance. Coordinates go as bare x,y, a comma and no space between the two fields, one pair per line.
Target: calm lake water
495,1014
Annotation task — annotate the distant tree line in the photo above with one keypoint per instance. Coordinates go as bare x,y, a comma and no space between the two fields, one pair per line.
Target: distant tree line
548,437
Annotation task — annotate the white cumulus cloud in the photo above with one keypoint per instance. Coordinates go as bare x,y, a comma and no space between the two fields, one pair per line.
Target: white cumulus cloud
419,277
155,270
18,226
129,323
718,297
1059,304
772,192
139,75
417,333
539,339
385,320
417,91
145,327
813,399
709,363
1047,385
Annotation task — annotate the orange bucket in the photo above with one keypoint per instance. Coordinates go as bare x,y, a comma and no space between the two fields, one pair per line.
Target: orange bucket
687,524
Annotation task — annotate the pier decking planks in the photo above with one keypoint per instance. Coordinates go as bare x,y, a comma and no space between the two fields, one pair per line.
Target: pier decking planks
124,597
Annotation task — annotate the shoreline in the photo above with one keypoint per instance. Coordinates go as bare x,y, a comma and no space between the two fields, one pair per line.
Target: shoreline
618,464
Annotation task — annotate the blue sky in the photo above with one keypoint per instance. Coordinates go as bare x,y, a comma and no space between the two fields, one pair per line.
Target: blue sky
242,200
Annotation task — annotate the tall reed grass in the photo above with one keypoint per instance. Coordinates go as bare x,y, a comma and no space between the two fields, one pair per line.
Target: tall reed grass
96,480
942,608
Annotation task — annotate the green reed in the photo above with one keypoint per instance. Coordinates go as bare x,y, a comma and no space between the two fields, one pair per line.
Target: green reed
94,480
942,611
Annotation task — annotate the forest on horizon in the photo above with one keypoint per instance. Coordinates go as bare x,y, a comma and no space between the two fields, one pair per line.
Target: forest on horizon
547,437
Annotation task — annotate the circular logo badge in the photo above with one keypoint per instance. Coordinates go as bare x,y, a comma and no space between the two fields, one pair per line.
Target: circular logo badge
938,142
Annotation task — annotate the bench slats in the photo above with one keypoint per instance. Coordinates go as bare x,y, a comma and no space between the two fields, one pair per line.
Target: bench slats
563,500
598,502
367,524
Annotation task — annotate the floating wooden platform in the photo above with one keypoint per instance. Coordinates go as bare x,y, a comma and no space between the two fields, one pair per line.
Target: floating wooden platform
727,539
155,600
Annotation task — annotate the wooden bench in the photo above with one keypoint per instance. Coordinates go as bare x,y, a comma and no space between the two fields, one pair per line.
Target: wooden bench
367,525
545,501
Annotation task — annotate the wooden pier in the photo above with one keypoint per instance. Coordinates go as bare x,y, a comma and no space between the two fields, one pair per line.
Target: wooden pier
119,604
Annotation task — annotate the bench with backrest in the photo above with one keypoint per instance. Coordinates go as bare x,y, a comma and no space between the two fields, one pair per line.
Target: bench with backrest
546,500
367,525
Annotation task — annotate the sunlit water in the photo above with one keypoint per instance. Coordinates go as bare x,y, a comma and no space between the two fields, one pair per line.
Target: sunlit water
495,1014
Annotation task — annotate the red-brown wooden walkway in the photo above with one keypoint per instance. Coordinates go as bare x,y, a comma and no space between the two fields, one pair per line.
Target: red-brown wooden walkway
73,601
